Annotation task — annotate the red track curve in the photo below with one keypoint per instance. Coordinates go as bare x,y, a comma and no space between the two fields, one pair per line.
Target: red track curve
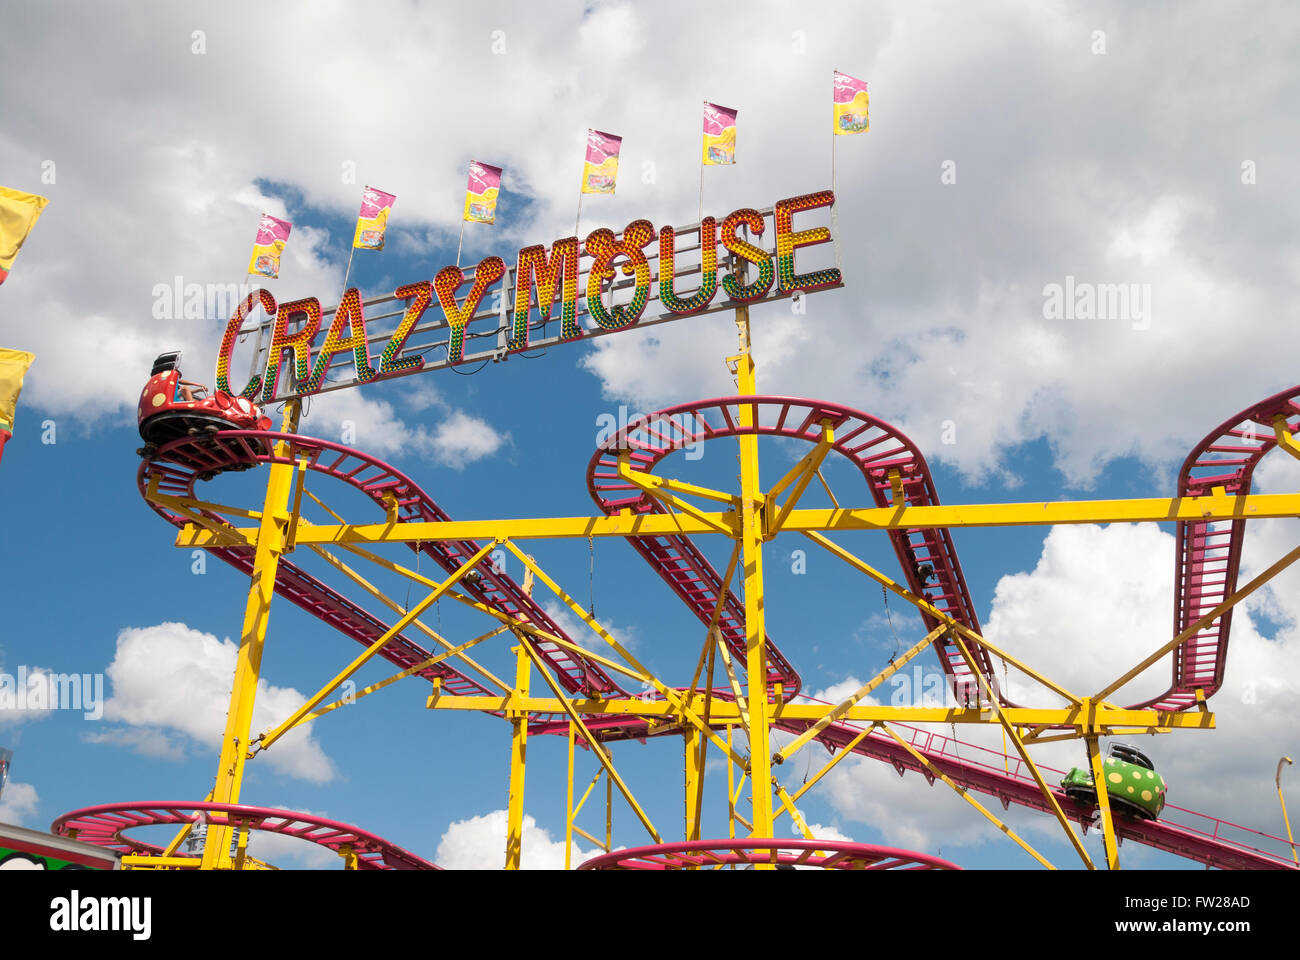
104,825
827,854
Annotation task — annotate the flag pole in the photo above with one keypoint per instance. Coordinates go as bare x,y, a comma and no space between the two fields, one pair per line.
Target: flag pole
577,223
701,216
257,348
460,243
834,72
348,270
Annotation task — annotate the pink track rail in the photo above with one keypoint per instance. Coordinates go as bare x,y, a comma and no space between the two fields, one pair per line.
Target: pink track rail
712,854
106,825
1209,552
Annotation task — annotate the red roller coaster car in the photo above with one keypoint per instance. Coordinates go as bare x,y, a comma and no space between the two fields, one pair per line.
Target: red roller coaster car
165,415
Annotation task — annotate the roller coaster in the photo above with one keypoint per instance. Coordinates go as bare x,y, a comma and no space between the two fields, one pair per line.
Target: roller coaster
661,517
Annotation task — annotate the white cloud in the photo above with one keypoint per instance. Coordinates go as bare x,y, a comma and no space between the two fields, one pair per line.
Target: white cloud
453,438
18,804
25,694
146,741
176,680
583,636
479,843
942,318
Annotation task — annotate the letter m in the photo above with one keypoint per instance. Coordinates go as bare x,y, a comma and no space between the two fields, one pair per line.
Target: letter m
535,269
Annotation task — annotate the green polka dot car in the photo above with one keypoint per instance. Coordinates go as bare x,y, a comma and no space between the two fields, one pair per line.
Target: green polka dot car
1132,783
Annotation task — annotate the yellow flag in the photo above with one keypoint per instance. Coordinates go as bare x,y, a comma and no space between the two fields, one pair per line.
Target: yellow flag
13,364
18,214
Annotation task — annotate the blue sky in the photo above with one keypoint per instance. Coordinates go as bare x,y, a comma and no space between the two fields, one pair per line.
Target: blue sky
1070,163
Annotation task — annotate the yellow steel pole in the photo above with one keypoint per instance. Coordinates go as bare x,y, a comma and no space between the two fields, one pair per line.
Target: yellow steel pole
760,750
694,780
1280,799
1103,802
518,757
248,665
609,803
731,791
568,808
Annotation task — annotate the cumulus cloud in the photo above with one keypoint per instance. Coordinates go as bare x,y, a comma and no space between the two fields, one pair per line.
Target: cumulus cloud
25,694
172,681
943,318
18,804
452,438
479,843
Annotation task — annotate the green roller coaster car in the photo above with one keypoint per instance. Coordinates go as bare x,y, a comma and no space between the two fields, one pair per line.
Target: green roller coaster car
1133,785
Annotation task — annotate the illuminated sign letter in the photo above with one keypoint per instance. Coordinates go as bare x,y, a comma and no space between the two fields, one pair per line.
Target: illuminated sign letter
787,239
533,263
604,248
708,269
421,295
299,343
447,282
232,334
748,252
350,314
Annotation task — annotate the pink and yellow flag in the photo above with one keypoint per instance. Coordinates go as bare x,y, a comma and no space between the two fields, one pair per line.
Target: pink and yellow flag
13,365
719,135
601,169
481,193
18,214
272,235
373,221
850,110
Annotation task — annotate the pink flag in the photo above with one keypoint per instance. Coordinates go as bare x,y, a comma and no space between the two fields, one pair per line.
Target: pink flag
601,169
850,109
272,235
481,193
373,221
719,135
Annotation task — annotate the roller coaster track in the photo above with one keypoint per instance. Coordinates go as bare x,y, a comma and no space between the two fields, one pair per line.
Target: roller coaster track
890,464
886,459
106,825
1209,553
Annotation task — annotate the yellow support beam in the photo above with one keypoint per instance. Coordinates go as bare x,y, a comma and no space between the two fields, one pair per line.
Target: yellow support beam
965,795
592,743
1103,802
395,607
803,472
248,665
670,696
518,761
1016,742
270,737
1257,506
1103,722
752,524
839,709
